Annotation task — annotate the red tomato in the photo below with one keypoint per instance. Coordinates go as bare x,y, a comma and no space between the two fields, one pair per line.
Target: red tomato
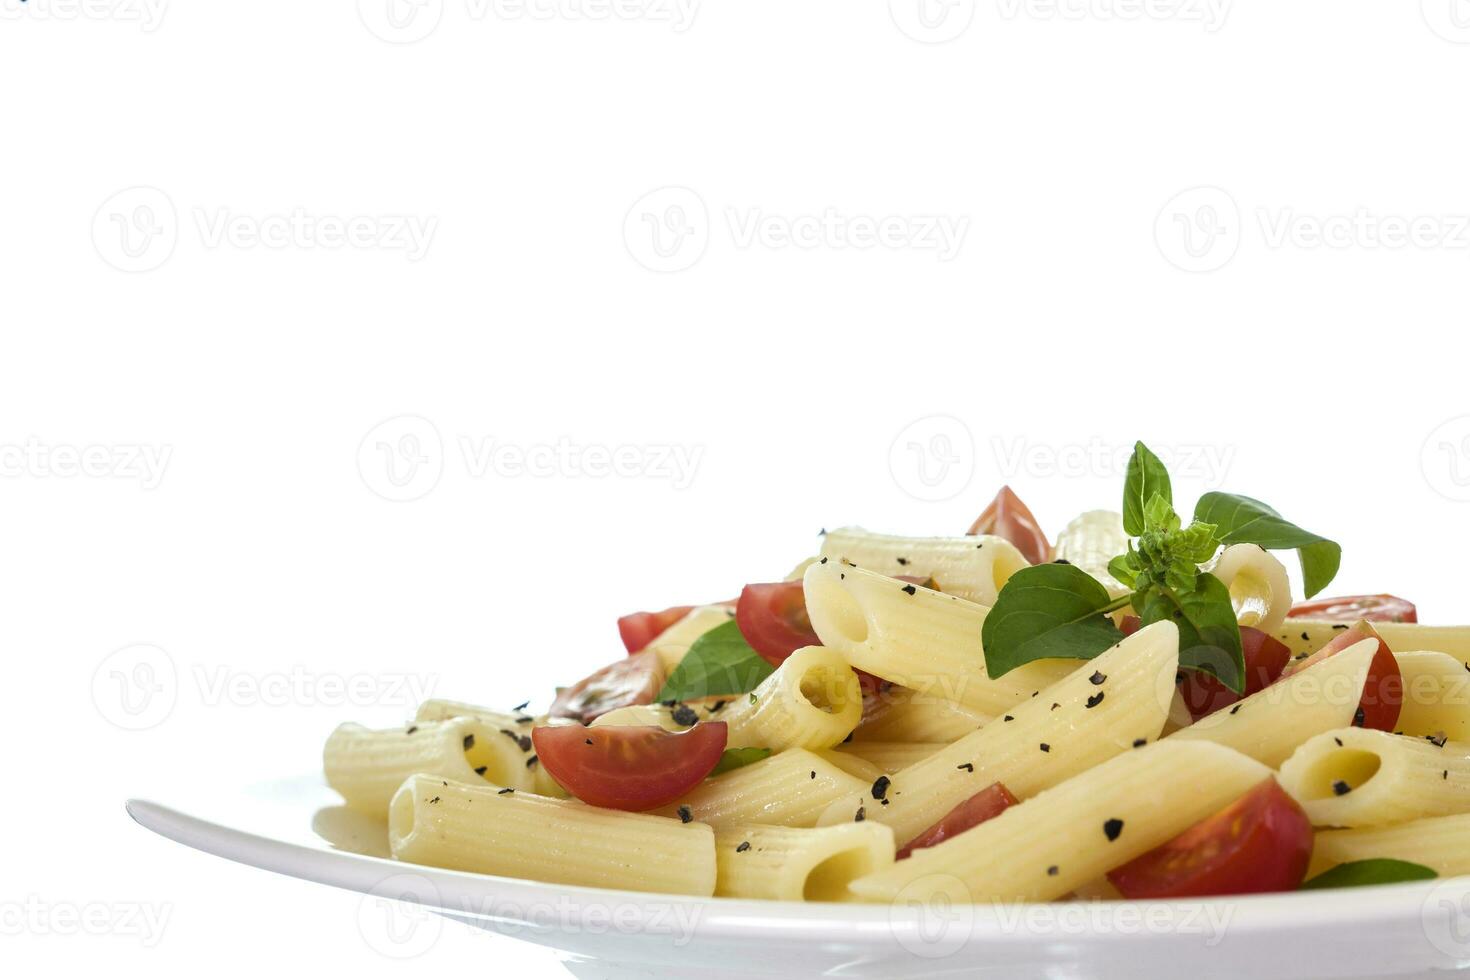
641,628
1265,659
772,618
629,767
633,680
1130,625
1383,692
1260,843
1008,518
979,808
1351,608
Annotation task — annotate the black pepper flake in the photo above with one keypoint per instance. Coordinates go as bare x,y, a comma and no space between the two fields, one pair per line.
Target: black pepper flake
480,770
508,789
822,534
1339,626
814,774
685,814
411,729
1234,708
589,741
521,706
742,847
861,815
469,742
1096,699
531,762
1055,706
684,715
967,766
1341,788
1445,774
1053,871
1113,828
434,800
717,707
523,720
1097,677
880,788
1337,740
1139,743
902,561
1045,747
822,562
910,589
1008,718
1061,561
1358,717
1438,739
1306,636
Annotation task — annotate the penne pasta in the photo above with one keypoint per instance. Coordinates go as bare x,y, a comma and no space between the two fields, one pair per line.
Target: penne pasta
1441,844
901,715
1092,540
794,865
788,789
973,567
812,701
1305,637
1358,777
1260,589
1436,696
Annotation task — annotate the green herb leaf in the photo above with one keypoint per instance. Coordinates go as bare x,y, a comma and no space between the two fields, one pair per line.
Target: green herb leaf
1048,611
735,758
1209,637
1374,871
719,662
1243,520
1147,478
1124,568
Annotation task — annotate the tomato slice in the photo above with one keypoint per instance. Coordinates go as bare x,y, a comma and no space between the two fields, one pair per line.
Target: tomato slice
1007,517
1382,608
630,767
636,679
642,628
979,808
1265,659
772,618
1383,692
1260,843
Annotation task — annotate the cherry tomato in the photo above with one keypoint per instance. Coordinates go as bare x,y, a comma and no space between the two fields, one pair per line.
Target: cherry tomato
633,680
772,618
1008,518
1260,843
1265,659
1383,691
979,808
642,628
629,767
1351,608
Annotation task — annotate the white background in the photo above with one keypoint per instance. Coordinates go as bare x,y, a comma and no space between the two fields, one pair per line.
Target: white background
1293,330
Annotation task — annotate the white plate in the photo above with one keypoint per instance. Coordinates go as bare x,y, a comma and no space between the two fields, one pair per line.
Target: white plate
295,827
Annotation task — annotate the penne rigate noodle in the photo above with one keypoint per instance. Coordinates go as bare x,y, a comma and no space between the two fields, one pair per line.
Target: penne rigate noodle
890,757
788,789
791,864
1260,589
915,637
812,701
1102,709
1441,844
1436,696
366,766
1075,832
439,709
490,830
1306,636
853,765
1358,777
973,567
901,715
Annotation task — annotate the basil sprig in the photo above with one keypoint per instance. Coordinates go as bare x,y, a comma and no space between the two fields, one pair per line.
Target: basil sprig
1060,611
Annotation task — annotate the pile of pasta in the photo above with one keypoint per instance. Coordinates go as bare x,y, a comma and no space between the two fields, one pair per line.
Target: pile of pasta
1103,764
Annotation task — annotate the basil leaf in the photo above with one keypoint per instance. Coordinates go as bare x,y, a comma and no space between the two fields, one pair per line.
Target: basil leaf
1048,611
1243,520
735,758
1122,569
1374,871
1147,478
1209,638
719,662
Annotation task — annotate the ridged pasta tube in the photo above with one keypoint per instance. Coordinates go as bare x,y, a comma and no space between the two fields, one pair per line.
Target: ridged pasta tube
787,864
1358,777
973,567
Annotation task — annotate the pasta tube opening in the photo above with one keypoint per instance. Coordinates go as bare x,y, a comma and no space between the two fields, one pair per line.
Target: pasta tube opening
843,613
1338,772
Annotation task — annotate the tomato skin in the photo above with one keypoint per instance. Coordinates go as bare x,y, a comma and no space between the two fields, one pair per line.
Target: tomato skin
1007,517
1383,691
1260,843
642,628
1381,608
772,618
989,802
635,679
1265,659
630,767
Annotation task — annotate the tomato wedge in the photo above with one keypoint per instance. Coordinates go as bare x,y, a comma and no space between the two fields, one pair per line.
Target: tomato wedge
772,618
636,679
1382,608
629,767
642,628
1007,517
1260,843
979,808
1383,692
1265,659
